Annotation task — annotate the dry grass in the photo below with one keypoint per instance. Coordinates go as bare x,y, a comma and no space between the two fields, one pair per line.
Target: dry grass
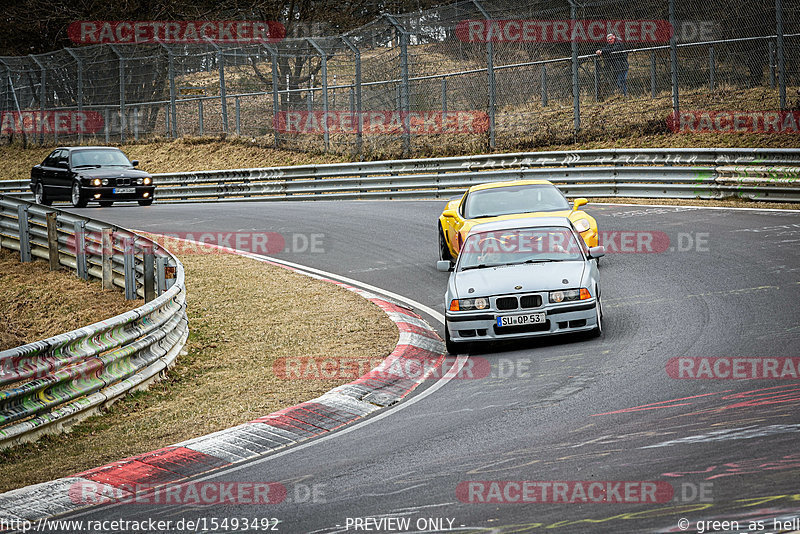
36,303
243,315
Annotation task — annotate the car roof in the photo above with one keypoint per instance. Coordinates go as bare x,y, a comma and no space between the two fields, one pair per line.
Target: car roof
73,148
493,185
525,222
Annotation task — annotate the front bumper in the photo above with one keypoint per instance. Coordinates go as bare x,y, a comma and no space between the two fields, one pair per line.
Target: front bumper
90,192
576,316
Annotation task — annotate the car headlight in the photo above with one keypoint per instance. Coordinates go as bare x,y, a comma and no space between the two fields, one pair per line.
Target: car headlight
480,303
148,181
566,295
96,181
582,225
105,181
139,181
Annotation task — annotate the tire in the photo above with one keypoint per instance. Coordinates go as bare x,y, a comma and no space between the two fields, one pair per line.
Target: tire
106,203
452,347
145,201
598,331
78,200
40,196
444,251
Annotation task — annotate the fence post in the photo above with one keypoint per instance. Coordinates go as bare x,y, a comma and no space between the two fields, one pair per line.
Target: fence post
324,74
52,240
200,115
673,59
42,94
653,91
490,77
711,68
79,85
136,123
576,95
24,234
781,49
107,245
444,100
80,250
129,268
360,127
173,131
149,275
16,104
405,103
122,123
106,126
771,65
161,269
273,52
544,85
223,99
596,81
238,117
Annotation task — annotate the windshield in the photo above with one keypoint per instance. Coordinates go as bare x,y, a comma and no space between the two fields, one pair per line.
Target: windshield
514,199
519,245
99,158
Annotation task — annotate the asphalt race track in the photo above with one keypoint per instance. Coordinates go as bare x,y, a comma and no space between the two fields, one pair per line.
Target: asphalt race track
727,284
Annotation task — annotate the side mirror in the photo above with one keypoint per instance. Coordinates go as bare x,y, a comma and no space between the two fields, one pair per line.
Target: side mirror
578,202
449,213
135,162
443,266
597,252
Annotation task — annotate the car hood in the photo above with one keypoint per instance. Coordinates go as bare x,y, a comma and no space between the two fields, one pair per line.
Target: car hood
112,172
531,276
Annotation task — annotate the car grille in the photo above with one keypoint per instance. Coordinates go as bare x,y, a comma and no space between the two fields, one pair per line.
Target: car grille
506,303
530,301
123,181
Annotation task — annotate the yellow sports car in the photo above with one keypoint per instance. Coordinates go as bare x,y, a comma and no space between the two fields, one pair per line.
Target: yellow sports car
508,200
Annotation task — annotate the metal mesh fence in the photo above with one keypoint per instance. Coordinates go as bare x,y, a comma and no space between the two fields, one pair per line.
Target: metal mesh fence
470,75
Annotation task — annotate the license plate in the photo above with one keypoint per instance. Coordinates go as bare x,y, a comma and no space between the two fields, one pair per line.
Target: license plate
517,320
123,190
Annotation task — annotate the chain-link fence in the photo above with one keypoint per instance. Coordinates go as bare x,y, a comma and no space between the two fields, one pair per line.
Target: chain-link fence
472,75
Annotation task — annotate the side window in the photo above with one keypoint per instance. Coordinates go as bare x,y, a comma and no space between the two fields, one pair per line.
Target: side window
61,161
50,160
462,206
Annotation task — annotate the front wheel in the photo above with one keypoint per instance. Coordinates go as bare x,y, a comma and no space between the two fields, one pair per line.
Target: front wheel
41,196
598,330
145,201
78,200
444,251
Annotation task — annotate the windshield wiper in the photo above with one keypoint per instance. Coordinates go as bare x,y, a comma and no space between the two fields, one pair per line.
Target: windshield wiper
85,166
534,260
489,215
479,266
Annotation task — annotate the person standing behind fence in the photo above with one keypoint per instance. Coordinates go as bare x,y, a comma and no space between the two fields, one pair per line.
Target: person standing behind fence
615,57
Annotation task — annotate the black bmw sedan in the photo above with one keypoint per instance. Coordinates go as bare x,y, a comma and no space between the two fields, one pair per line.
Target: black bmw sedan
90,173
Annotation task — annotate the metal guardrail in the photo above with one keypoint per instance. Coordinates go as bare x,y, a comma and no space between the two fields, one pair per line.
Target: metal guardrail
709,173
57,381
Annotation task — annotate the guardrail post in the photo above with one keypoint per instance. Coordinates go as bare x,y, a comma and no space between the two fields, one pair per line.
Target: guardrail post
129,268
324,74
711,68
771,65
673,59
405,103
781,59
161,282
52,240
544,86
358,110
149,275
653,91
80,250
107,245
24,234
